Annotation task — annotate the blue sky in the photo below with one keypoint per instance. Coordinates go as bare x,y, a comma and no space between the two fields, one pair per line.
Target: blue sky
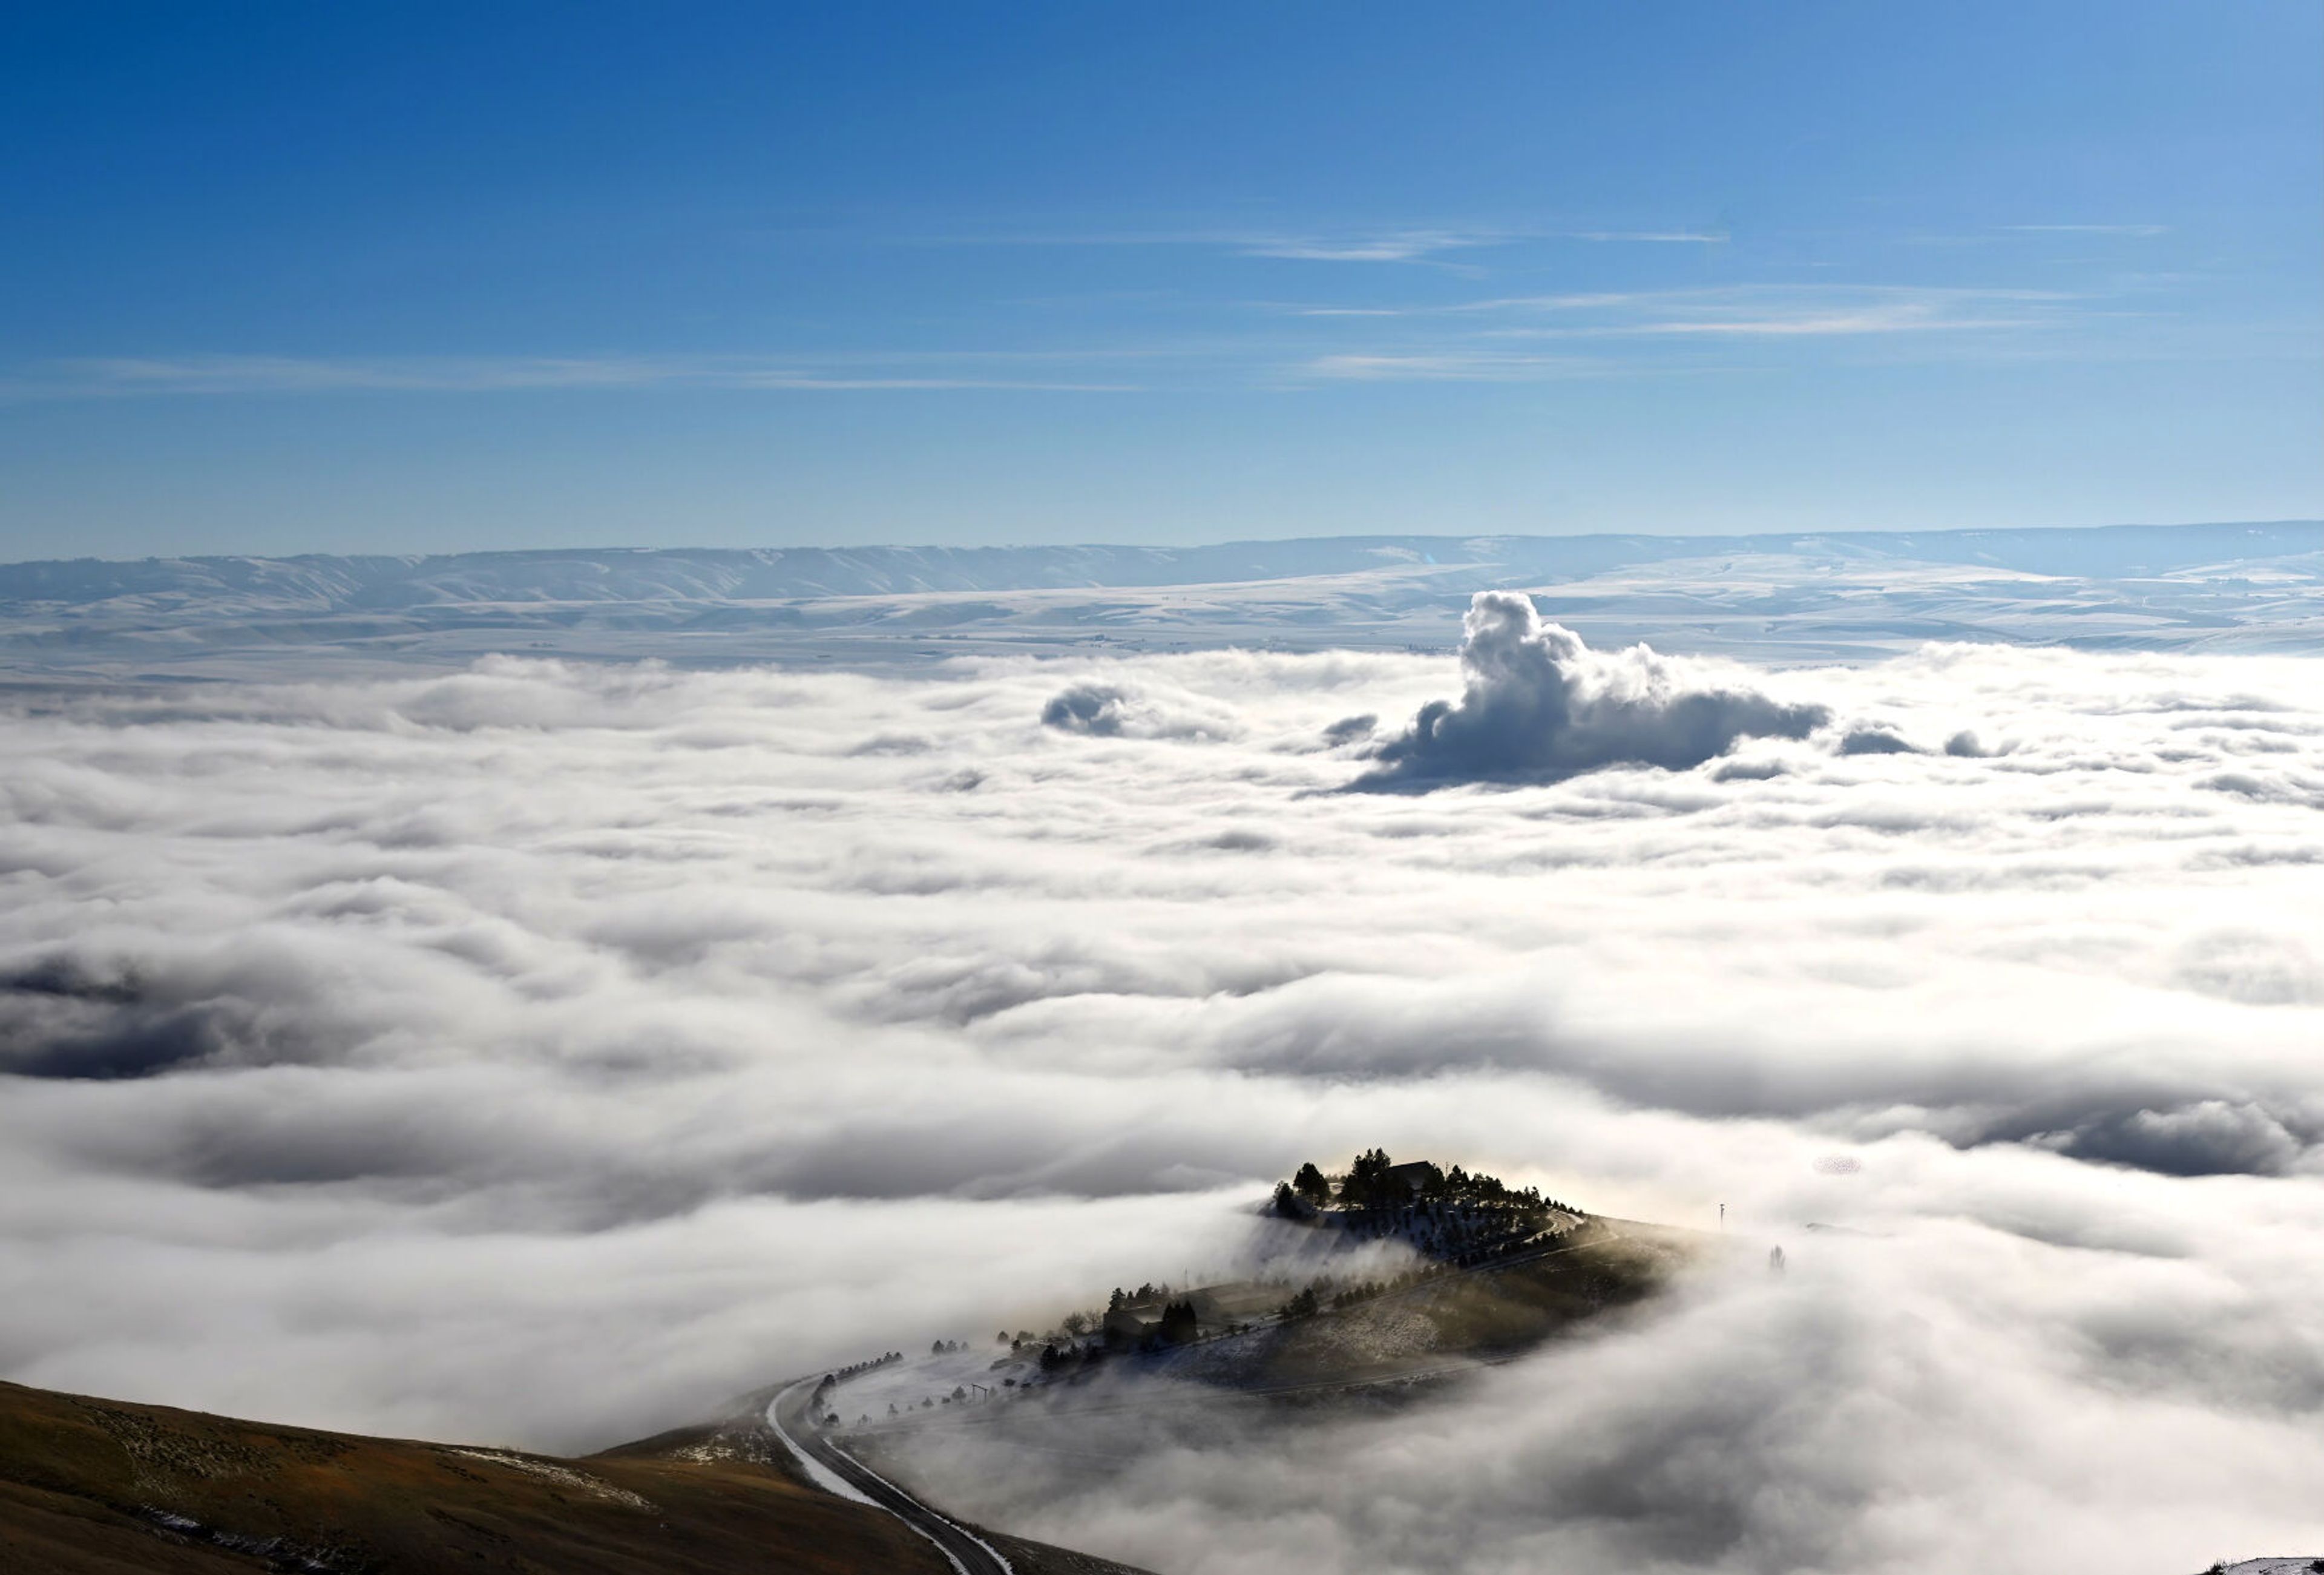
285,278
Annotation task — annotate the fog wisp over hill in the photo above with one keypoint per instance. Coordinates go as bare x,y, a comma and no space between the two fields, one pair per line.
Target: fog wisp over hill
538,1051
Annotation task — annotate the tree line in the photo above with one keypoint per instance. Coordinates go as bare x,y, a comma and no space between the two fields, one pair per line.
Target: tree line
1367,1183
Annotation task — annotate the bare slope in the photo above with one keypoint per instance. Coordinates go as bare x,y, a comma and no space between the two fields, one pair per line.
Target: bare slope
105,1487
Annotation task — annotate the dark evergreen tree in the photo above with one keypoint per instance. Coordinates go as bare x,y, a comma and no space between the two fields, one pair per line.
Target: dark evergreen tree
1179,1323
1362,1186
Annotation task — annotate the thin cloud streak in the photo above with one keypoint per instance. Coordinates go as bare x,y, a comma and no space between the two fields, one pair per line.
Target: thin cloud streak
1653,237
2135,230
1366,246
1406,246
1905,320
1475,366
1417,244
1742,313
1433,349
119,376
1900,304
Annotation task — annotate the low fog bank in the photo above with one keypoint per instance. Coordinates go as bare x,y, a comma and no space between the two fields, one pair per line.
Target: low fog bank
540,1054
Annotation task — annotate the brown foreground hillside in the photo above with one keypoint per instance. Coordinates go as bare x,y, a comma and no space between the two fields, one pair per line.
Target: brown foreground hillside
107,1488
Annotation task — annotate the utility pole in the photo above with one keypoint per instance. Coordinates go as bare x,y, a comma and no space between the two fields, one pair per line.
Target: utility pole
1722,1216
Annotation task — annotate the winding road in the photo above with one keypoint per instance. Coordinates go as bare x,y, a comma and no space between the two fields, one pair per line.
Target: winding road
834,1470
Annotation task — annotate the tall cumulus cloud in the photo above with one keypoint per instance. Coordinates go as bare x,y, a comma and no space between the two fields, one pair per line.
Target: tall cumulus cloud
1539,706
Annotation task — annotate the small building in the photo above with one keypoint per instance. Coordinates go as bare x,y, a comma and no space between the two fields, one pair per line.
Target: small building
1413,1177
1126,1326
1215,1309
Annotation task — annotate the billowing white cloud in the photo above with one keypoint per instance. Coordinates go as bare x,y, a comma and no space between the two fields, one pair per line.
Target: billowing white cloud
1540,706
540,1053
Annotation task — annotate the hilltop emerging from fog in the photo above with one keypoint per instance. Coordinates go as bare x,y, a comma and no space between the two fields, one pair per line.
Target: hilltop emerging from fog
1384,1273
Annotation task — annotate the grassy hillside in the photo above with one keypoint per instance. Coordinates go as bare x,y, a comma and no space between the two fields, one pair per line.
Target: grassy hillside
105,1487
1495,1308
1484,1313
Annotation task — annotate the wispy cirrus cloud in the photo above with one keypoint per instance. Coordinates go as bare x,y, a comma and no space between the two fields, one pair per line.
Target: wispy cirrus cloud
1775,311
1650,237
1472,308
1418,246
1396,246
1863,308
115,376
2135,230
1434,244
1486,339
1473,340
1451,366
1901,316
1322,244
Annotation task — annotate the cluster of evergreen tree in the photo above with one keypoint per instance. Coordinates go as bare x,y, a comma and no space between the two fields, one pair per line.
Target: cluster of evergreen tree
819,1407
852,1369
1145,1292
1179,1323
1056,1357
1365,1184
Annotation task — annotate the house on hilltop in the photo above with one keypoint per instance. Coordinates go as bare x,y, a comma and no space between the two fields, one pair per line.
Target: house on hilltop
1206,1310
1412,1178
1126,1326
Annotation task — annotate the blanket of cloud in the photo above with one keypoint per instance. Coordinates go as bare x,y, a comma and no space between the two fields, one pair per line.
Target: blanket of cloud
1843,596
538,1052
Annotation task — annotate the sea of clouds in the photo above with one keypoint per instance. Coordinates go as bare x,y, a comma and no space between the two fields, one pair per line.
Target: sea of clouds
540,1053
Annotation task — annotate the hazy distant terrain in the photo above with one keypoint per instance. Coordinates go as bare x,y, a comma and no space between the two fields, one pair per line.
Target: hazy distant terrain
2237,587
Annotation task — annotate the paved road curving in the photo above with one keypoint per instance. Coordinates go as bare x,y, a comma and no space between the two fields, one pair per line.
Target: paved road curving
834,1470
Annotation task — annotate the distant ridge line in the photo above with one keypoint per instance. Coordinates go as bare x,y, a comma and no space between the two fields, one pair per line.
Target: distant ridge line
383,582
